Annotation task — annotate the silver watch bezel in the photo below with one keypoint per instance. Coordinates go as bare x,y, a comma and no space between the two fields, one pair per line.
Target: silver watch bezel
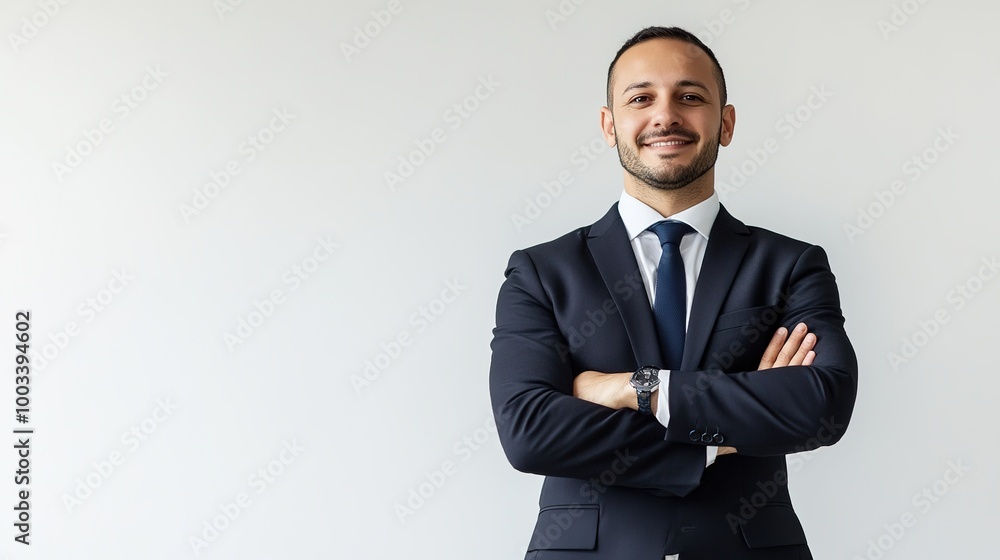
650,381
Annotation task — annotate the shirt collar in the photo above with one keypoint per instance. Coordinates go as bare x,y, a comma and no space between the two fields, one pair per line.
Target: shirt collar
637,216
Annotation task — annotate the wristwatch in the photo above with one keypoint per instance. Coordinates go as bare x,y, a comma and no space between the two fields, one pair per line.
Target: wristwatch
645,380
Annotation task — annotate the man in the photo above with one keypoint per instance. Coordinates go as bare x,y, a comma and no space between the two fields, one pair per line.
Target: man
658,373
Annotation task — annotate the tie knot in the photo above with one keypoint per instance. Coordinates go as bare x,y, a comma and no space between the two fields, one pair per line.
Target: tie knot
670,232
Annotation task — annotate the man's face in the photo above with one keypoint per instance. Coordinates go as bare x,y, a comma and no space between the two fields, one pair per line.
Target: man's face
666,115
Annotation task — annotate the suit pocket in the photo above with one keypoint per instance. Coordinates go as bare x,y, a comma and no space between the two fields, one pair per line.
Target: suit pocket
764,314
773,525
569,527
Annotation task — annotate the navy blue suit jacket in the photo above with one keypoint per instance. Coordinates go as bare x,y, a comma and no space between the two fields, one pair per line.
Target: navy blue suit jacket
620,485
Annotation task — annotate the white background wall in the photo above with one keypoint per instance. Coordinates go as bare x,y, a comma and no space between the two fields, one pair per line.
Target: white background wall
137,201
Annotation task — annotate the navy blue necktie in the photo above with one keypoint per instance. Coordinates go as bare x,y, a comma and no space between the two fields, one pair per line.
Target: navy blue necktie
670,307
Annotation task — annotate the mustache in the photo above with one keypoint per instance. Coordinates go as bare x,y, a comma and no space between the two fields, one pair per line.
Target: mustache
673,131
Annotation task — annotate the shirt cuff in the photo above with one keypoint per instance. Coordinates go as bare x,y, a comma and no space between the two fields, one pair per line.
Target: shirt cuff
713,452
663,398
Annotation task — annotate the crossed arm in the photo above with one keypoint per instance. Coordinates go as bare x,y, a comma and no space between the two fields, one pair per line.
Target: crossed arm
614,391
545,429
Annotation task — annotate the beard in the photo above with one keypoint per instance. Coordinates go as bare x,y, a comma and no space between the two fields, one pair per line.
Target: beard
669,177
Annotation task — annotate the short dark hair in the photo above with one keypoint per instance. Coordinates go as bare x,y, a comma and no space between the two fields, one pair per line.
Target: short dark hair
670,33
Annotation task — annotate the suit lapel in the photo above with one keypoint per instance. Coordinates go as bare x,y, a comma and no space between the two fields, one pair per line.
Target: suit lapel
612,251
727,243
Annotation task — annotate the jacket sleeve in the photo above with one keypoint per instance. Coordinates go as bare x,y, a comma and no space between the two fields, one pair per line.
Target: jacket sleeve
781,410
544,429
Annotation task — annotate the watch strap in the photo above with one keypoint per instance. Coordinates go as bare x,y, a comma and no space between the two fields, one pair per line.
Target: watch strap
644,404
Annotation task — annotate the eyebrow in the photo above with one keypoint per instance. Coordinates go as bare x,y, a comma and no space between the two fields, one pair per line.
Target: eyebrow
680,83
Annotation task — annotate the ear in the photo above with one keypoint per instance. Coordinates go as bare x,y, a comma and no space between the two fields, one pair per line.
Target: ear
608,127
728,124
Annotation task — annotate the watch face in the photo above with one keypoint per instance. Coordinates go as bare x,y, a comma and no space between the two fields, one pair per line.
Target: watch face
646,378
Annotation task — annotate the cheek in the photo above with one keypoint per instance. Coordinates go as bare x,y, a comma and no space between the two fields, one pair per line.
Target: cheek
628,128
632,134
707,128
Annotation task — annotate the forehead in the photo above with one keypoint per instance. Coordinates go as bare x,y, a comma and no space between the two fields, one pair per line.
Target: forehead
660,62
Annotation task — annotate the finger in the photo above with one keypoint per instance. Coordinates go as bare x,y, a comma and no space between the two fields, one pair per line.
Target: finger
773,347
809,358
808,343
791,345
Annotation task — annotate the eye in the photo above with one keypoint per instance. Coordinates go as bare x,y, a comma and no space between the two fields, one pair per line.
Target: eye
639,99
692,97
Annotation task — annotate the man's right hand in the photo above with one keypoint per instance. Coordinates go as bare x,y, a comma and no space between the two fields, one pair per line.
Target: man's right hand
795,349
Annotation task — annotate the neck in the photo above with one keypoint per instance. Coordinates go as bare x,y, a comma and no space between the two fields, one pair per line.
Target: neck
670,202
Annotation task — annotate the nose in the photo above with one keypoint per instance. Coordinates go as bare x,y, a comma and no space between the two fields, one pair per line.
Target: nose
665,113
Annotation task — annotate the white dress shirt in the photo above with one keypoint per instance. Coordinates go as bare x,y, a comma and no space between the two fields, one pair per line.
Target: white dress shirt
637,217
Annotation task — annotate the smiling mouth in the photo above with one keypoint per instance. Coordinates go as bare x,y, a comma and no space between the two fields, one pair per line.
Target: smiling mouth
668,143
